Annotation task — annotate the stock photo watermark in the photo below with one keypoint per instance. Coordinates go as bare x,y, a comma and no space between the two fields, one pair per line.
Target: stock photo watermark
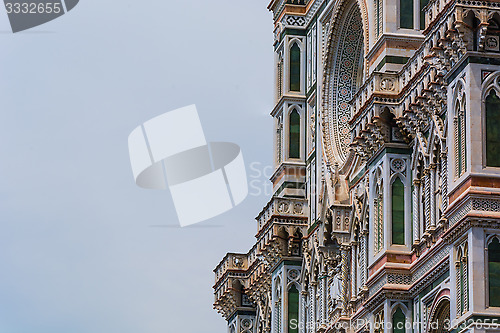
204,179
436,325
24,15
260,175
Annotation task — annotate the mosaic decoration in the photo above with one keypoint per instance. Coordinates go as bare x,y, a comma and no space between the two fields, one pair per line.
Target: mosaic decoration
346,65
398,165
246,323
293,274
295,20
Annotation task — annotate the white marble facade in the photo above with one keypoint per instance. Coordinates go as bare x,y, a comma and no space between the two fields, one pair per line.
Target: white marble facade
386,206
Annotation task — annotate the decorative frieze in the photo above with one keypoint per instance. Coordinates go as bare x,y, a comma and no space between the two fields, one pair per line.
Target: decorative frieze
294,21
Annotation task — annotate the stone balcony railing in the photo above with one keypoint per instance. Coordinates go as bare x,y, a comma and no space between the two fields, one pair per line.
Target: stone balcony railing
433,11
236,263
277,6
233,268
417,89
281,208
283,222
439,49
377,83
286,215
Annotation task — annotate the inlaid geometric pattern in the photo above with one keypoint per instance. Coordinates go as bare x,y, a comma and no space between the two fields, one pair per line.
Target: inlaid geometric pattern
295,20
345,77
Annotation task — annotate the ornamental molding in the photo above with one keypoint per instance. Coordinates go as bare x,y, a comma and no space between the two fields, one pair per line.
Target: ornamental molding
301,100
456,232
294,21
334,29
435,272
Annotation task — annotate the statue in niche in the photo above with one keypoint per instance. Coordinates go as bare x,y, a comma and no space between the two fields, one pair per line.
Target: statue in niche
336,285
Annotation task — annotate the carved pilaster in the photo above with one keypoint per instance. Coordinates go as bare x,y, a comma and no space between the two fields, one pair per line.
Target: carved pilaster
363,258
432,184
466,282
427,197
458,282
444,180
345,278
303,303
354,248
416,211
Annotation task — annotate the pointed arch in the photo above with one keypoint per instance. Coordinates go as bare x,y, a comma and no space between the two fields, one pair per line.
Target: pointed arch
398,320
294,134
295,67
494,271
343,73
293,308
492,128
440,315
398,211
491,112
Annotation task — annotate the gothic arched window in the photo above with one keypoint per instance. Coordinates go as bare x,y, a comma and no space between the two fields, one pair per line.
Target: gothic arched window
398,212
493,129
494,272
423,3
294,135
293,309
406,14
295,67
398,321
441,318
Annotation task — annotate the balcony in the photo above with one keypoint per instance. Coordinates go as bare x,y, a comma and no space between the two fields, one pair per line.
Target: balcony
297,2
283,210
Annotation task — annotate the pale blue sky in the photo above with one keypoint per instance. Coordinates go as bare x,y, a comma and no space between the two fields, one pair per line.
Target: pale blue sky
77,250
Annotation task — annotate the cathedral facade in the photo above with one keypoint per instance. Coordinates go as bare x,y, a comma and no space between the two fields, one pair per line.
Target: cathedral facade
385,215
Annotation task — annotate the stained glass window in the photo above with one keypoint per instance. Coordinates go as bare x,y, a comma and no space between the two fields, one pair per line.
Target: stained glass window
406,14
398,321
398,212
293,310
295,67
493,129
379,219
494,272
423,3
294,135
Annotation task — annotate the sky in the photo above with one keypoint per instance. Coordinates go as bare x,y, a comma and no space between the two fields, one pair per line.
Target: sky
82,248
